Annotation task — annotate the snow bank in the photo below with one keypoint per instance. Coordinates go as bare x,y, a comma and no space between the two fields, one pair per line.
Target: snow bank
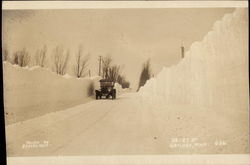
31,92
213,73
119,88
206,94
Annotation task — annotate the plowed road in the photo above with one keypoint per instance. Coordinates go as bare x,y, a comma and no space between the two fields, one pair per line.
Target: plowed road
124,126
98,127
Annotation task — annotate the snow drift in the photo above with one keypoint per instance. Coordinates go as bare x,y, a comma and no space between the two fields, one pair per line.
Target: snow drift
206,94
214,72
31,92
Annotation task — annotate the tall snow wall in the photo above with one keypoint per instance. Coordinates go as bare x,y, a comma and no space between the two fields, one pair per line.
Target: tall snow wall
31,92
214,72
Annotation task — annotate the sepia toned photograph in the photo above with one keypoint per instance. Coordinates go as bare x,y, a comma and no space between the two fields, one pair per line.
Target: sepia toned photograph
125,81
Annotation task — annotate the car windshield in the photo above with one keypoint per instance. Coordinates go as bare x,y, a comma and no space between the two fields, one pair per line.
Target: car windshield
107,84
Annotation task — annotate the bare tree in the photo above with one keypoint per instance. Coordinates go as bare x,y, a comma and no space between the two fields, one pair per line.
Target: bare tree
113,73
81,64
60,60
145,74
15,58
126,84
110,71
41,56
21,58
24,58
122,81
5,53
106,62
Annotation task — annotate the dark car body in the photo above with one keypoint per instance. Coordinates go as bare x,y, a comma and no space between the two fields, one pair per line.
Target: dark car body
106,89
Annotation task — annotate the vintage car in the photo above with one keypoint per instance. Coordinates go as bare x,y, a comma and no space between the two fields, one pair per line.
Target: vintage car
106,89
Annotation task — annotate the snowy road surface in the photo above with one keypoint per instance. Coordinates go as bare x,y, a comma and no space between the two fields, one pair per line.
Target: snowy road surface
124,126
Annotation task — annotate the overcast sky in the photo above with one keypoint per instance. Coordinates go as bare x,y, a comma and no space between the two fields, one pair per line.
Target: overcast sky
130,36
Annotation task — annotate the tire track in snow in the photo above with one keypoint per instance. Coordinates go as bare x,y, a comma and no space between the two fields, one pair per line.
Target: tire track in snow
84,130
57,129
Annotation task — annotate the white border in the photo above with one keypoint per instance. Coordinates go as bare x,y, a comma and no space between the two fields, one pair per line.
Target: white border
220,159
119,4
228,159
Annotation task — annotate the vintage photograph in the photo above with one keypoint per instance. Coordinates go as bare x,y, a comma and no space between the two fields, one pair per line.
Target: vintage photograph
125,81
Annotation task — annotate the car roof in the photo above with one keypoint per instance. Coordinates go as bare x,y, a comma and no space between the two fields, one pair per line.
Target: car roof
105,80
